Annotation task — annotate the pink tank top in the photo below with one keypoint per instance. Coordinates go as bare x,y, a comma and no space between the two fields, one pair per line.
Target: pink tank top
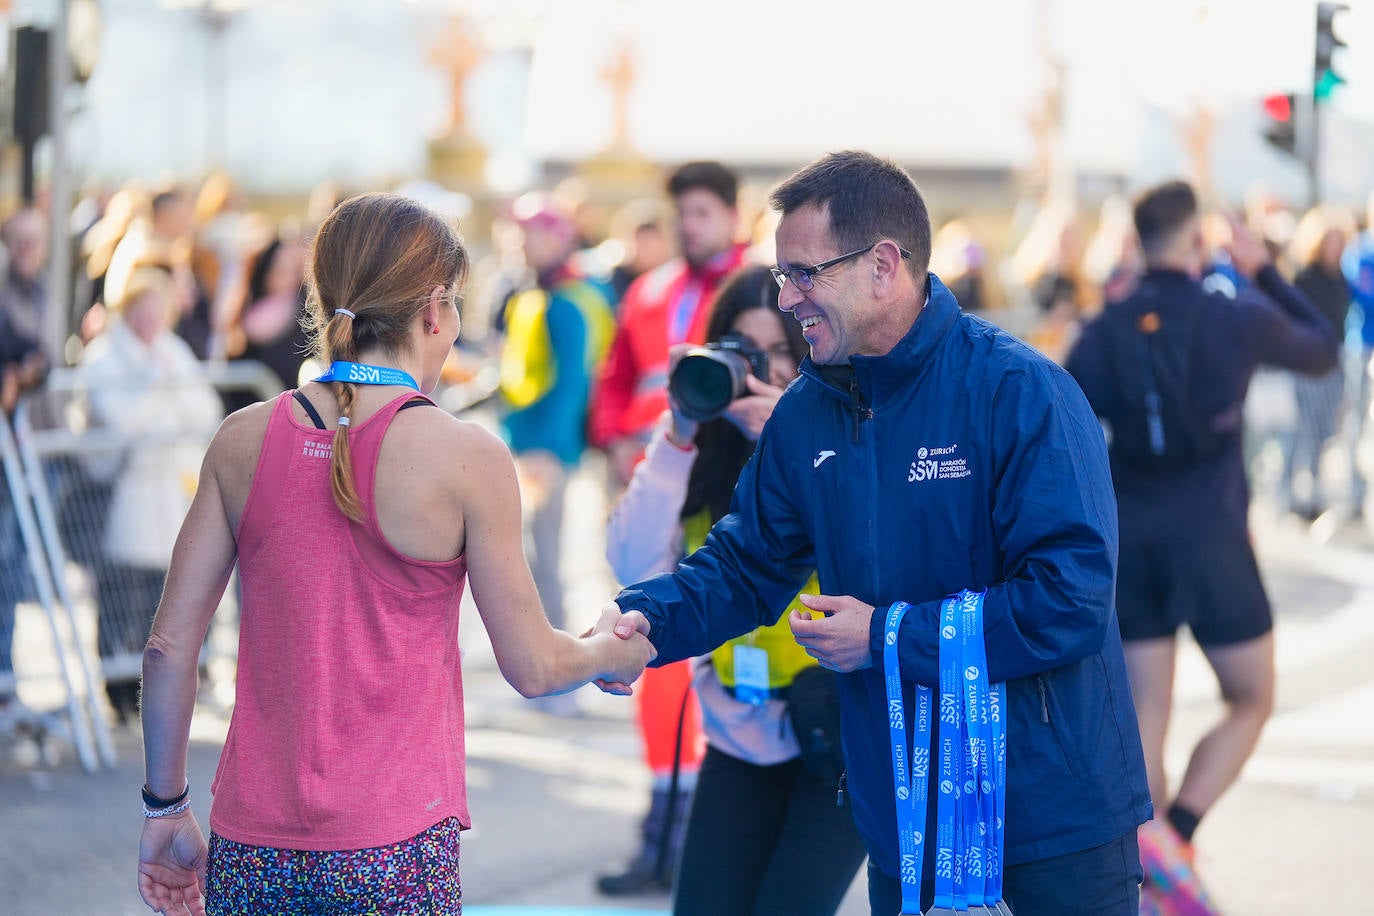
347,729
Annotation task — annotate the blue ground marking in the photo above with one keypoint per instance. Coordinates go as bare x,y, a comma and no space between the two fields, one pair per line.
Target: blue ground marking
555,911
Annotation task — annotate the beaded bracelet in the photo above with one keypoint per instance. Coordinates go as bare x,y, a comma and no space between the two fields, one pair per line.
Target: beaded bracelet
166,812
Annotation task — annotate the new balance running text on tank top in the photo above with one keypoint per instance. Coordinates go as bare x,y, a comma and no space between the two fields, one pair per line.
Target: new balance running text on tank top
347,729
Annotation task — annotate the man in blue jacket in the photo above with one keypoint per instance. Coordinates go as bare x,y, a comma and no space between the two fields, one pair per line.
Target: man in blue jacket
921,452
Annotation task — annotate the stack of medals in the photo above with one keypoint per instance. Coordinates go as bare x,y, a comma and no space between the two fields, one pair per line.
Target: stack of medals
972,765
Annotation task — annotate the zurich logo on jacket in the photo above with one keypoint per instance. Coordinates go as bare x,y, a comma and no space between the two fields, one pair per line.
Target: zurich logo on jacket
962,459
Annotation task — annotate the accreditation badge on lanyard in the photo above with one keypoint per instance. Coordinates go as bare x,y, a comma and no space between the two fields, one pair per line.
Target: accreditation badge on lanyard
751,675
972,766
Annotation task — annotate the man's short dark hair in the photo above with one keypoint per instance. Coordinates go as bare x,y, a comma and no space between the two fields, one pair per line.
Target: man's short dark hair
707,174
1161,212
868,199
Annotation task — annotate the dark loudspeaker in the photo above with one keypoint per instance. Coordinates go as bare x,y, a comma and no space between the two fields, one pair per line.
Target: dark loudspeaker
30,84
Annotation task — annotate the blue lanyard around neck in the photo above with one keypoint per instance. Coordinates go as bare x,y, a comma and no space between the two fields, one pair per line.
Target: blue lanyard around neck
363,374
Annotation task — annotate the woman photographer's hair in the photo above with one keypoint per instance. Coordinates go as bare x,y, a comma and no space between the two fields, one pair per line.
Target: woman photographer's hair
373,263
722,450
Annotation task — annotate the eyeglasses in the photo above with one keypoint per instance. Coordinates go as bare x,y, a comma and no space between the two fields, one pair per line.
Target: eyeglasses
801,276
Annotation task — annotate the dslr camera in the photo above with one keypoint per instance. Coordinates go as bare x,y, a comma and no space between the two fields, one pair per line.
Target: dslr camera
708,378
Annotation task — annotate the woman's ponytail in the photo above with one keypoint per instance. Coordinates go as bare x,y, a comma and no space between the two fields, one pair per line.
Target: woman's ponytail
339,334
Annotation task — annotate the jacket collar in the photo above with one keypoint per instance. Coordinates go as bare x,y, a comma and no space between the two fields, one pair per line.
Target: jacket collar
1164,275
909,359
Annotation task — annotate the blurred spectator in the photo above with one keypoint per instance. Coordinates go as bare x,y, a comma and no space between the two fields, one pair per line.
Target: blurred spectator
555,335
1318,242
1167,370
24,295
1112,262
268,327
22,366
215,215
1046,265
1219,274
1270,219
85,216
496,276
127,207
1358,266
664,307
958,258
143,381
220,251
573,198
165,239
641,229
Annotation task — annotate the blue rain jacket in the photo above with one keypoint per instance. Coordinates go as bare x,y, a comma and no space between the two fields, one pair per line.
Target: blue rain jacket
962,459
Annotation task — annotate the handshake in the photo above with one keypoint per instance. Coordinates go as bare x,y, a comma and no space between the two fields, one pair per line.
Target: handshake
622,648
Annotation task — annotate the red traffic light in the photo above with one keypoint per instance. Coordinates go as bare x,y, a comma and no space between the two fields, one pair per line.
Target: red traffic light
1279,107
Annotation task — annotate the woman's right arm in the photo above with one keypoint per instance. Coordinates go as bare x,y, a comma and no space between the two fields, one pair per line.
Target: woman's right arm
533,657
171,867
643,536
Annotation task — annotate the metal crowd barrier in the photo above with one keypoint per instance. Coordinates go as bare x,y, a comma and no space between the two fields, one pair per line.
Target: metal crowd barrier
107,498
24,577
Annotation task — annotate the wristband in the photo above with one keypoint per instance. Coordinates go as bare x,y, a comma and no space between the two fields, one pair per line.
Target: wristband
154,802
166,812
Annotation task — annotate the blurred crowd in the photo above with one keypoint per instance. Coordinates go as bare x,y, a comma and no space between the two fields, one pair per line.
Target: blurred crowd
168,277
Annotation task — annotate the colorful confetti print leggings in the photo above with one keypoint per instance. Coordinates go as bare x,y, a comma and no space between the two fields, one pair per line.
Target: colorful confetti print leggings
415,876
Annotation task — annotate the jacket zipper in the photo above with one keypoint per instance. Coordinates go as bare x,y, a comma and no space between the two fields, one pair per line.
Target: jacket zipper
839,791
861,410
1044,700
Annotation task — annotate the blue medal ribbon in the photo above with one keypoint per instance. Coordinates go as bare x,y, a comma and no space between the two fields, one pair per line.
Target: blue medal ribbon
364,374
971,800
977,782
998,723
910,771
949,869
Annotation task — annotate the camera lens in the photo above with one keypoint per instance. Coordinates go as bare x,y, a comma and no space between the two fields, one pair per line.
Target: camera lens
704,382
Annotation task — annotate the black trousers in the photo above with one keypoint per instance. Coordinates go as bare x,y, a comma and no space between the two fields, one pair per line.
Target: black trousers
1102,881
765,840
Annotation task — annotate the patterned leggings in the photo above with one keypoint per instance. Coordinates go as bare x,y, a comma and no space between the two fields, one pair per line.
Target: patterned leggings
415,876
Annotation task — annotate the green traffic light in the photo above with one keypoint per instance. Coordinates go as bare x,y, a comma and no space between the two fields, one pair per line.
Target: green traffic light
1326,85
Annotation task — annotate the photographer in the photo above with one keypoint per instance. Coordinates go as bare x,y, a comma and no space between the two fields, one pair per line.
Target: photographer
758,809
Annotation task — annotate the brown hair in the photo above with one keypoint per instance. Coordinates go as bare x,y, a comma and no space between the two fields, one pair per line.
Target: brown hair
1313,229
378,256
868,199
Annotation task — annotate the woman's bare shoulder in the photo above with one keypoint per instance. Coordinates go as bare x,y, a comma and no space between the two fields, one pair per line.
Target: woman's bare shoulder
238,441
461,446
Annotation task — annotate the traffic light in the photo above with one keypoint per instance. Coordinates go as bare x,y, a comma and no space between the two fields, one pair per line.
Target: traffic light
1278,122
1325,79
